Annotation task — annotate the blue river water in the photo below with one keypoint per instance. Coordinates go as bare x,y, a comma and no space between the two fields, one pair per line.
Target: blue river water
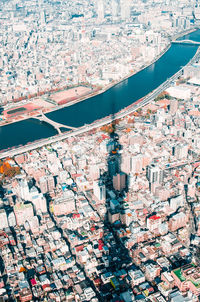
99,106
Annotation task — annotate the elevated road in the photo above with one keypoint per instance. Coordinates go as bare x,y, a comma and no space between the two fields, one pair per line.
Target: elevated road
126,111
179,164
188,42
57,126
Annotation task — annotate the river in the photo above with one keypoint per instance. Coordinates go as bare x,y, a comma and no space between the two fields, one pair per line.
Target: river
99,106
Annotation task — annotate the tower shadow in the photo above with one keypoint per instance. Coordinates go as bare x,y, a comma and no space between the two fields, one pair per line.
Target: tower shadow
116,261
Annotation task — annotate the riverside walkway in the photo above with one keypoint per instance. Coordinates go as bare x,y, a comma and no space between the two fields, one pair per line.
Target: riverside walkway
43,118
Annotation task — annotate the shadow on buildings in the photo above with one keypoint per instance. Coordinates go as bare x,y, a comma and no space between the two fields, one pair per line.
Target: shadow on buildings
115,262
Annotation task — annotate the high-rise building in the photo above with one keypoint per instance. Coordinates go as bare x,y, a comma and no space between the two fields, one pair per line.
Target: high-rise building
50,183
114,8
43,184
3,219
154,174
119,181
173,106
38,200
24,189
100,10
112,166
125,8
126,164
99,190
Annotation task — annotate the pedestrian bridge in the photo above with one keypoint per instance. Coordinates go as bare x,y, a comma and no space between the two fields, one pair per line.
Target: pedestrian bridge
189,42
43,118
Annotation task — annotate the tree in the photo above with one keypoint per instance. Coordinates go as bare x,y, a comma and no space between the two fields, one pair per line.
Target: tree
8,171
163,95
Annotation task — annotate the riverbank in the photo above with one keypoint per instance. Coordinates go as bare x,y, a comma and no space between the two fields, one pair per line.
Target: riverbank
93,111
185,33
90,95
96,124
97,92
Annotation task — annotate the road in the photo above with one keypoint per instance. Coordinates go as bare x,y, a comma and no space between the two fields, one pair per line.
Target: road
126,111
180,164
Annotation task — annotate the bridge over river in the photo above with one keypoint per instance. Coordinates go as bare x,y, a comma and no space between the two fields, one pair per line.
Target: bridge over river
188,42
41,117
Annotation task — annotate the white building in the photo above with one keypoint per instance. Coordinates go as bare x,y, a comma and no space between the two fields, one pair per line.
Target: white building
137,277
11,219
38,200
99,190
154,174
176,202
100,10
180,151
125,7
3,219
24,189
179,92
114,8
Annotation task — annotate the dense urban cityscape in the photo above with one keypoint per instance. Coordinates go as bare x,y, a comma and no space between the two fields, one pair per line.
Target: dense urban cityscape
109,211
50,45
